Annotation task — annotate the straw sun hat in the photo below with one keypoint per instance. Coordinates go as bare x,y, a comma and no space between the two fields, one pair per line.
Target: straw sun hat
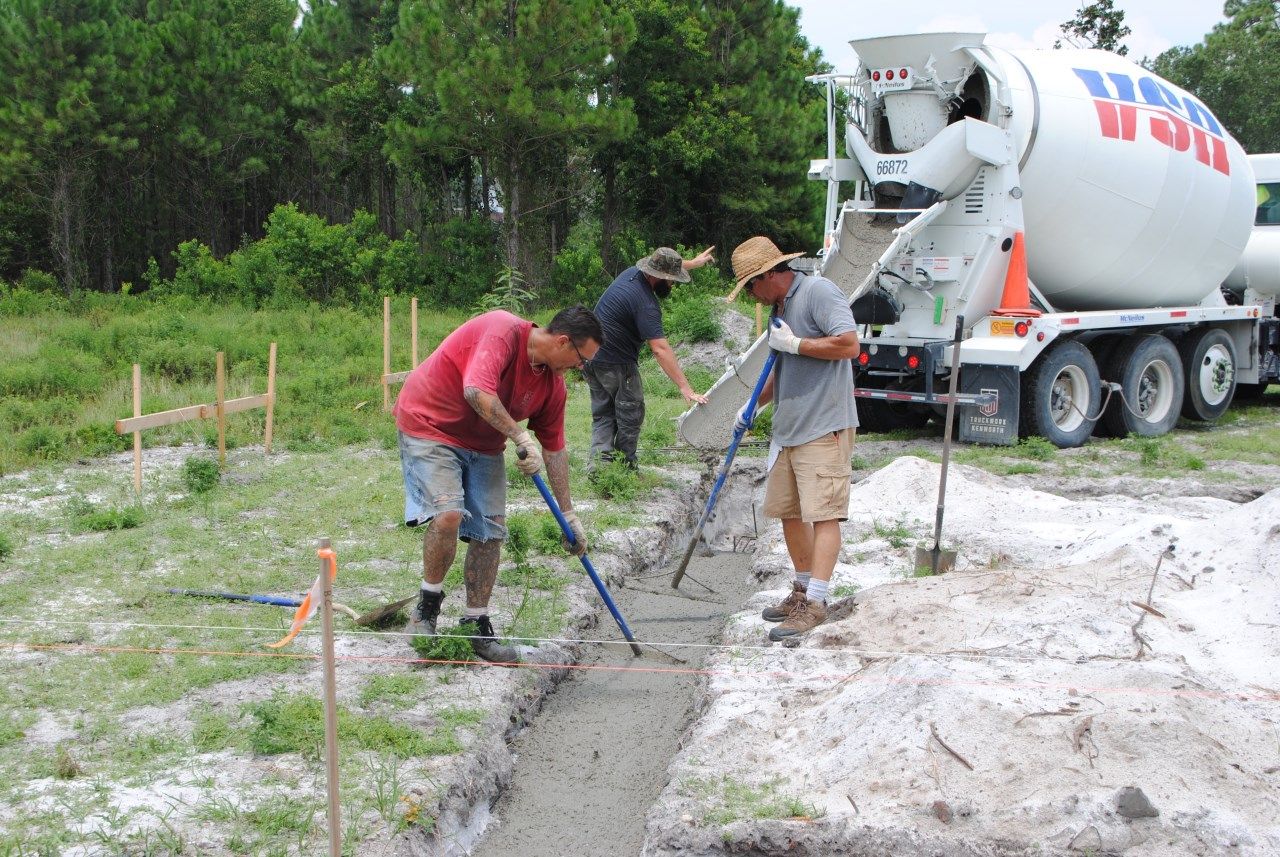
755,256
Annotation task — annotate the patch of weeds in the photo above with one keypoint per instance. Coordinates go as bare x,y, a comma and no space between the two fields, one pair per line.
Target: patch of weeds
898,534
295,724
65,765
200,475
6,546
282,814
538,616
1036,448
391,688
530,533
1149,449
211,731
614,480
89,518
1193,462
731,800
1019,467
14,729
448,645
615,518
844,590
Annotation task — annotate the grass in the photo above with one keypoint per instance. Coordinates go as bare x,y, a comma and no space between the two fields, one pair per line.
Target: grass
727,799
898,534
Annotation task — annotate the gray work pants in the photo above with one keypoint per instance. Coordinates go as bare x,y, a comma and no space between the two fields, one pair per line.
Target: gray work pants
617,410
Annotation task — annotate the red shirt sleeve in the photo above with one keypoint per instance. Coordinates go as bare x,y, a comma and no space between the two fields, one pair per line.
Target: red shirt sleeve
492,354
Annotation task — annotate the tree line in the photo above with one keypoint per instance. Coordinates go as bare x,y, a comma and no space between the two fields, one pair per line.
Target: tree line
554,138
495,131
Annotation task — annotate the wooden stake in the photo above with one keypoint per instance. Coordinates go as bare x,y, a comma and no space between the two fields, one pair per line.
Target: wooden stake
137,435
221,405
330,708
759,320
386,352
413,336
271,396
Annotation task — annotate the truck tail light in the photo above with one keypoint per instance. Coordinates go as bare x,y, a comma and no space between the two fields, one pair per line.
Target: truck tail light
1022,328
864,358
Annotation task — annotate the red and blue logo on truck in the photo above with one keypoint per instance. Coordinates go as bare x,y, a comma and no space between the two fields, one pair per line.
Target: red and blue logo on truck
1177,120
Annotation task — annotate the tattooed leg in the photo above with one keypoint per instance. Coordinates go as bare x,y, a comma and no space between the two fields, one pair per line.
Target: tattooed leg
440,546
480,570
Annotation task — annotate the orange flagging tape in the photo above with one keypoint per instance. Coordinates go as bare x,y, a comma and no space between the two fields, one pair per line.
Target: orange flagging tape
308,607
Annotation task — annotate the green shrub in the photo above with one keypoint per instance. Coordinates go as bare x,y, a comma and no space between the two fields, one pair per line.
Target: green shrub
100,439
616,481
690,316
200,475
38,281
460,261
44,442
17,302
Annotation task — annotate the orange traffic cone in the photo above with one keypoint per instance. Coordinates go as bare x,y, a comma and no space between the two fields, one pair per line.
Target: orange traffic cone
1016,300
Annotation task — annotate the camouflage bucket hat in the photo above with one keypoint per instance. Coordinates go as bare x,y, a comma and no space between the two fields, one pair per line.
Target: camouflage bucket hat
665,264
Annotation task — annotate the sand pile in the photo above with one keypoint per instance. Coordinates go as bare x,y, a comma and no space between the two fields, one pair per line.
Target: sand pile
1024,703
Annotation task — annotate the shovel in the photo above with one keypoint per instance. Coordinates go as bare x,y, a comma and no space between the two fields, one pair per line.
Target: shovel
724,469
586,563
372,617
936,559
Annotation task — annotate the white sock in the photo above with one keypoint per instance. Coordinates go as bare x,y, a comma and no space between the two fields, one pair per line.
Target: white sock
818,590
476,612
802,579
433,587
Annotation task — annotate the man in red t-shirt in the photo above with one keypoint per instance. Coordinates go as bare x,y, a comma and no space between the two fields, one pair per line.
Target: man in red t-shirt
455,413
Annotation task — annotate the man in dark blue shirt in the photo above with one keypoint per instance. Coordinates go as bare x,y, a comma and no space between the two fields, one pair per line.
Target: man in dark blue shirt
631,316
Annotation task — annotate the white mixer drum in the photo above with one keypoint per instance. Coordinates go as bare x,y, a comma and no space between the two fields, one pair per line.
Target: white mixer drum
1134,195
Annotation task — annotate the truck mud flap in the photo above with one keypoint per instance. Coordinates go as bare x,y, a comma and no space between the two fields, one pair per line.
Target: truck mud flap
995,423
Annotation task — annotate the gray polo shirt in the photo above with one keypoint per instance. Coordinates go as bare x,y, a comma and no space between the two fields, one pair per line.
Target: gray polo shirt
811,396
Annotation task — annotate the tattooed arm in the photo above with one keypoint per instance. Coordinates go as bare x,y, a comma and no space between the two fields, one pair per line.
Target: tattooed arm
558,477
491,411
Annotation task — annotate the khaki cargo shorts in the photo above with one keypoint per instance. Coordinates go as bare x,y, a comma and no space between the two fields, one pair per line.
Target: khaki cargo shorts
811,481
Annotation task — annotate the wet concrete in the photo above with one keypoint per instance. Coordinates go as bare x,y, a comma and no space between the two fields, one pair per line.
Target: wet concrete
595,758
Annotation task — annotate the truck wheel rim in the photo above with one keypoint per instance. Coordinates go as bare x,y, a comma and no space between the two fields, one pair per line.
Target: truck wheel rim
1155,392
1215,375
1069,398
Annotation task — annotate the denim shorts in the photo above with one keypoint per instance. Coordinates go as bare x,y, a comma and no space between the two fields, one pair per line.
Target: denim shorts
443,478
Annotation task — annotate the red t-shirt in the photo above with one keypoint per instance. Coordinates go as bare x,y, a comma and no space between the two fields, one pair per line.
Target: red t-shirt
490,352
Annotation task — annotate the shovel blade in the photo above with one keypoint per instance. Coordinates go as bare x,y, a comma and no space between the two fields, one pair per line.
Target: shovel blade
378,614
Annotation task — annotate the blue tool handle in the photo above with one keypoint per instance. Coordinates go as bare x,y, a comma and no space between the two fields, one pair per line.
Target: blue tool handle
275,600
732,453
586,562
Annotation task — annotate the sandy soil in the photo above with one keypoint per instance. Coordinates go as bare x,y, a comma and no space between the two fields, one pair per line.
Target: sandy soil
1055,694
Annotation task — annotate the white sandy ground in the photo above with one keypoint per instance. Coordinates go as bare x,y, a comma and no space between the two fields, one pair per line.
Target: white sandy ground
1030,662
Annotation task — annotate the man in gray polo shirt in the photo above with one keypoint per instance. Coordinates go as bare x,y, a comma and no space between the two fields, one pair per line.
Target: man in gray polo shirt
814,422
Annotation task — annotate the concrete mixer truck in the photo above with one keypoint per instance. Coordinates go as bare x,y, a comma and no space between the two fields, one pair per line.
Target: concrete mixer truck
1079,214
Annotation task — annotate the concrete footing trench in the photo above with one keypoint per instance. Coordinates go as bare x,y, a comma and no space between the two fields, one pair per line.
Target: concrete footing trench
589,746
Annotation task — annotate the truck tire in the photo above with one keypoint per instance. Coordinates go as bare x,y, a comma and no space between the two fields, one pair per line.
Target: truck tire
879,415
1152,385
1209,358
1060,395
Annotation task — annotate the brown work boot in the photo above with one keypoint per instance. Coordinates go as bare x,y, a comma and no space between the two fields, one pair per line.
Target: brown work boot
807,615
783,608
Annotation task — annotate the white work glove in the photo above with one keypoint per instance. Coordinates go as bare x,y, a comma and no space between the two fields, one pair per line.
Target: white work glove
745,420
782,339
528,456
579,546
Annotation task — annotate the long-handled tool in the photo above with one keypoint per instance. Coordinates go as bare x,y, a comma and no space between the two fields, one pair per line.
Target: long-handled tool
282,601
936,554
724,468
586,563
